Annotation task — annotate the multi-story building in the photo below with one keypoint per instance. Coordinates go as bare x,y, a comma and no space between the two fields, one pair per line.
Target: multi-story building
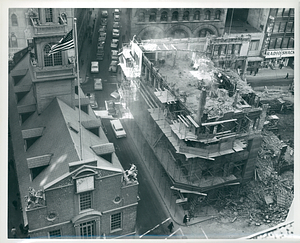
67,170
278,45
207,122
26,23
177,23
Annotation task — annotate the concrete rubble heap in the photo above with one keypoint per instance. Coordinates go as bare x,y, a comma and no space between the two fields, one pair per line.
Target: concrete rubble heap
218,100
266,199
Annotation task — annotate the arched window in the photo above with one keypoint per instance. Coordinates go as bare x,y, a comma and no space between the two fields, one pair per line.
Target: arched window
205,32
141,17
13,40
48,14
164,16
186,15
152,17
14,20
175,16
217,14
51,60
207,15
197,15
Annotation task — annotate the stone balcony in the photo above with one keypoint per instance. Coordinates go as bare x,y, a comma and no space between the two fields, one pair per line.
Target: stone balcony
48,28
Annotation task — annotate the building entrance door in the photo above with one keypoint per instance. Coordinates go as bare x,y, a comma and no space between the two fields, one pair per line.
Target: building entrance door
87,229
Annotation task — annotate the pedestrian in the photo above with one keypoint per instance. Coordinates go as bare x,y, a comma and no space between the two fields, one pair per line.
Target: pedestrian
14,232
287,76
256,71
185,219
171,226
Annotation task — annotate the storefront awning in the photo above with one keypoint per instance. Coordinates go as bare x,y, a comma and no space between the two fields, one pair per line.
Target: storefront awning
254,59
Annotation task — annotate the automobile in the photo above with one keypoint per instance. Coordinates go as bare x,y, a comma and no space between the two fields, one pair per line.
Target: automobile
110,107
104,14
114,55
117,11
93,102
118,128
113,66
102,28
116,25
116,17
115,33
98,84
115,94
114,43
101,39
103,21
100,46
94,67
100,55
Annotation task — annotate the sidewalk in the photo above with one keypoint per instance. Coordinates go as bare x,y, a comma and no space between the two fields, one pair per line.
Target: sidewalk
268,73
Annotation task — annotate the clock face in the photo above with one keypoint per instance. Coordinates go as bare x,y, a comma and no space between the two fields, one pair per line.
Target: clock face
85,184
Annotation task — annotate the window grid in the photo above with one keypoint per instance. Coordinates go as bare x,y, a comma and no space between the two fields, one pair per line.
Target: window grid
197,15
207,15
115,221
52,60
55,233
186,16
48,14
85,201
217,14
87,229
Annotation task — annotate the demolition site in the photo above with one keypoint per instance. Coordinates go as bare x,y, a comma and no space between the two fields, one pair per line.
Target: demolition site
216,138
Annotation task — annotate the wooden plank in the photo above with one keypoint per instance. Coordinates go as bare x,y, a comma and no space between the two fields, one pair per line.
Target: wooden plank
217,122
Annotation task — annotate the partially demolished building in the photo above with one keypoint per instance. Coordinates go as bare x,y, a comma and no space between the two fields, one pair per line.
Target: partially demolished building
209,117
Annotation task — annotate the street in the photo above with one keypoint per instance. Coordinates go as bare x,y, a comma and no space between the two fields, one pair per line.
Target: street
150,211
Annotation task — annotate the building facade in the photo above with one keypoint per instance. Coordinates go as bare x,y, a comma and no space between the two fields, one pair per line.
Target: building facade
278,45
177,23
202,145
71,183
24,24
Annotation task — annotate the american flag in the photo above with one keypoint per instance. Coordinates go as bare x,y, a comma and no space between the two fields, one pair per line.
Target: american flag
64,44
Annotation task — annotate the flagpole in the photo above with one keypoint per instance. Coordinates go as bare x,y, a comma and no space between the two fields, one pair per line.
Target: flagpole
77,66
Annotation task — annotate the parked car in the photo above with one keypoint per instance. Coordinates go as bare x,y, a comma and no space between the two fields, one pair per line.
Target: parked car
117,11
98,84
113,66
100,55
118,128
110,107
116,25
115,94
114,43
103,21
114,55
94,67
115,33
116,17
102,28
93,102
104,14
100,46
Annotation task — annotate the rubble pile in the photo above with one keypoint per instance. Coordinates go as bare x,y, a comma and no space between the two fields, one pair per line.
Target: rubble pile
182,78
266,199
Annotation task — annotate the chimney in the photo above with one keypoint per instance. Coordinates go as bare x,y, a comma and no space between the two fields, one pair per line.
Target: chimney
201,106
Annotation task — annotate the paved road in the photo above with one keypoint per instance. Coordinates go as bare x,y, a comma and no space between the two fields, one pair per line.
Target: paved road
270,82
150,211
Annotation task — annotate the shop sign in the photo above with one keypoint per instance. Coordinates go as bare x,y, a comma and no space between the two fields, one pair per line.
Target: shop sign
279,53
